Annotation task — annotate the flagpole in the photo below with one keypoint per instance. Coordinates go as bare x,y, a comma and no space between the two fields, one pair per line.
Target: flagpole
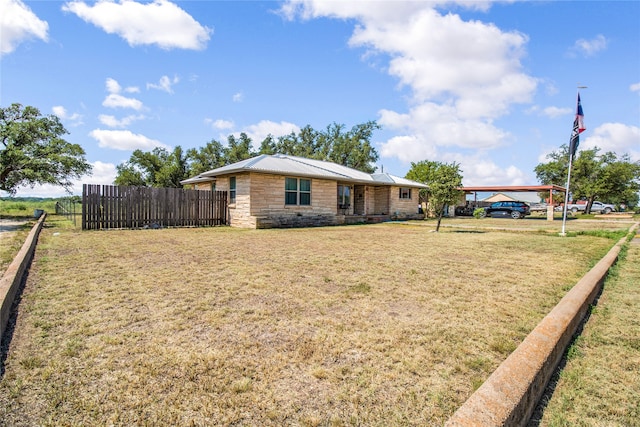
566,194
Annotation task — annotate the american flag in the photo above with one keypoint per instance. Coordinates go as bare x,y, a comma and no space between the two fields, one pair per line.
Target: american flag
578,128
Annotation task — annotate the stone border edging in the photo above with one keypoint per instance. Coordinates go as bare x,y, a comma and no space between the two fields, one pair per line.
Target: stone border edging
12,278
510,395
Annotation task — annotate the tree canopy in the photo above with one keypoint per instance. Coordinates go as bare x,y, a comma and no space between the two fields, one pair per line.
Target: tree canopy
161,168
605,176
32,150
444,181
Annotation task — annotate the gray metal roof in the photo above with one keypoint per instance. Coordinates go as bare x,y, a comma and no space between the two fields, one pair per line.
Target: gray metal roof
281,164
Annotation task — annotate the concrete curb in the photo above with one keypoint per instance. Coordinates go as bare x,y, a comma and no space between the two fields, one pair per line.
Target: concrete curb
510,395
12,278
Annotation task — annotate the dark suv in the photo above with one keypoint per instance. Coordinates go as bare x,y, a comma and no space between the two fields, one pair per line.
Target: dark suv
514,209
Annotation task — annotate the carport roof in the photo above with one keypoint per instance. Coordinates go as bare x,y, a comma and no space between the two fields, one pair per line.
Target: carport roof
508,188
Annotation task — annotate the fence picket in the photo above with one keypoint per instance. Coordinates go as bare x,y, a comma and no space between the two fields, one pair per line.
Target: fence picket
108,206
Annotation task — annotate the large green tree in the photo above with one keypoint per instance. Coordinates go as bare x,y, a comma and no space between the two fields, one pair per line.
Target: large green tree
352,148
209,157
444,181
156,168
594,175
32,150
161,168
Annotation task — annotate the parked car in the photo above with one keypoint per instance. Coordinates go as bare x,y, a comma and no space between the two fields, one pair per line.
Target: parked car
513,209
596,207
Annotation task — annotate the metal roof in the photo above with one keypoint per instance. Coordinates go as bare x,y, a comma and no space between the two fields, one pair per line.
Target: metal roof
503,188
281,164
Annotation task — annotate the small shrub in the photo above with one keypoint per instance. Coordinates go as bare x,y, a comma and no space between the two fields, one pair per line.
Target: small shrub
478,213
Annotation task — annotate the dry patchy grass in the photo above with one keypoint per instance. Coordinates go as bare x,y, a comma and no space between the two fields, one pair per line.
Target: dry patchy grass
600,385
362,325
11,241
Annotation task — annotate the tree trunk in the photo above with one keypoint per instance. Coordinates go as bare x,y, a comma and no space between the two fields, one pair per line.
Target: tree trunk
440,215
589,204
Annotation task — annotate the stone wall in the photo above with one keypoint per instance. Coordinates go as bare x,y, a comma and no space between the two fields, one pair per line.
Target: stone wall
402,208
260,202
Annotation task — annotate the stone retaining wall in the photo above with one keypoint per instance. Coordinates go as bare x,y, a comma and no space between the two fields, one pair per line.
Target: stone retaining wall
13,276
510,395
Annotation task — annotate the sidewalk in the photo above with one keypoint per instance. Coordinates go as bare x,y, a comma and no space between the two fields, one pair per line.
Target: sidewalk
600,384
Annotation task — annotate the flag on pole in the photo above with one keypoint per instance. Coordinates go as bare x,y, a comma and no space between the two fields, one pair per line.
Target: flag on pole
578,128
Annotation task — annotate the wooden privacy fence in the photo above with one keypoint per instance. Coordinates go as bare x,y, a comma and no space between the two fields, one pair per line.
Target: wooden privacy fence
108,206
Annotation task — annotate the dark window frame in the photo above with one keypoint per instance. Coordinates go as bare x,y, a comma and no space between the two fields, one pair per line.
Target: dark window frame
232,189
404,193
298,194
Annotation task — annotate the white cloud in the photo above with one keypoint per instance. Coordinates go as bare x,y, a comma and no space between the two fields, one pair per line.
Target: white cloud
112,85
160,22
17,24
102,174
238,97
554,112
591,47
616,137
432,125
635,87
484,172
61,112
124,140
164,84
220,124
432,55
114,100
264,128
114,122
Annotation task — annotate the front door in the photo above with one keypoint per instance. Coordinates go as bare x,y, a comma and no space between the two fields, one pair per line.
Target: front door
358,200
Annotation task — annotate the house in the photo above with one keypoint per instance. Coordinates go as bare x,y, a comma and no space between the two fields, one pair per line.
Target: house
272,191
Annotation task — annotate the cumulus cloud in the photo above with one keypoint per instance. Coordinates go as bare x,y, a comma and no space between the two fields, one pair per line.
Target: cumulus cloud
160,23
164,84
114,122
258,132
124,140
554,112
238,97
61,112
17,24
101,174
431,54
589,48
220,124
115,100
616,137
484,172
635,87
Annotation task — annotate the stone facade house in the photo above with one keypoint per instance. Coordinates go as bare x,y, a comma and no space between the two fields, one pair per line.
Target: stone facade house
272,191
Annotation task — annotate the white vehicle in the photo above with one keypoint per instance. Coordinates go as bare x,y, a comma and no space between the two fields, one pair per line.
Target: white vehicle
596,207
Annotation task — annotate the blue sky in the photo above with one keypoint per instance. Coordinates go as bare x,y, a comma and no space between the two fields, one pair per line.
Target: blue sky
490,85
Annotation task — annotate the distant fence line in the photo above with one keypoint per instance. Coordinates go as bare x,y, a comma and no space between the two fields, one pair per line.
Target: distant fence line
108,206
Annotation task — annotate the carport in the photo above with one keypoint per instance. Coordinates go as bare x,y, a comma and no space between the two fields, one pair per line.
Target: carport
516,189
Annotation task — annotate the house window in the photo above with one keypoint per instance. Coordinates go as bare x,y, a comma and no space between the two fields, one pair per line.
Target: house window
344,196
232,189
405,193
297,191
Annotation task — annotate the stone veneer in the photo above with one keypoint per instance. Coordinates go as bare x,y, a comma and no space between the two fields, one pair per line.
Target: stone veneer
260,202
